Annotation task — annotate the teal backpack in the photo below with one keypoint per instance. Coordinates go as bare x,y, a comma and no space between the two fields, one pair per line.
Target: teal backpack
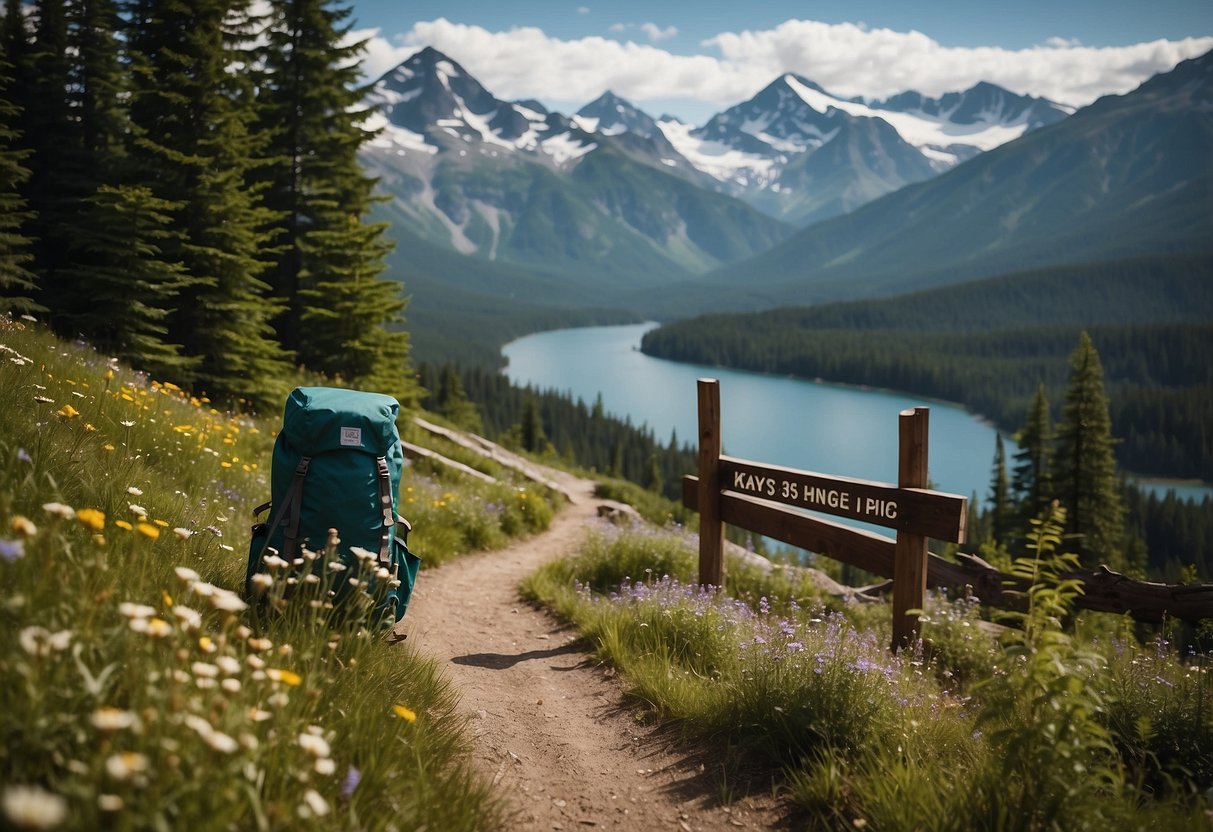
336,465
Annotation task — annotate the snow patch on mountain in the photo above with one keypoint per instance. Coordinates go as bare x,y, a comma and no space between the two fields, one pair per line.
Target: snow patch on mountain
393,137
717,159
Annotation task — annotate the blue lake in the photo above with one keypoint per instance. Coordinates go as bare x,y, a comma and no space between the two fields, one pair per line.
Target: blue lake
828,428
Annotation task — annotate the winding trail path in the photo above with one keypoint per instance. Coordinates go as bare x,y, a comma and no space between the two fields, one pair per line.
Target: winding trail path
549,723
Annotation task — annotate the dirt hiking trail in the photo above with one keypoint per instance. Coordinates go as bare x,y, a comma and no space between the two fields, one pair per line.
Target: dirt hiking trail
548,722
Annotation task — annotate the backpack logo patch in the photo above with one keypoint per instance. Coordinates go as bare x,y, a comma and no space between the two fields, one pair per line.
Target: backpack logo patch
352,437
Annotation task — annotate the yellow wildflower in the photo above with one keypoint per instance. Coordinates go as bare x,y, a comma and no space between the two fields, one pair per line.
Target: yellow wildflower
123,524
92,518
68,412
285,676
148,530
404,713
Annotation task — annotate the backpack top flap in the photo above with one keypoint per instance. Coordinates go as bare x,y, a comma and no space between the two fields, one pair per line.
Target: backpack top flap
321,419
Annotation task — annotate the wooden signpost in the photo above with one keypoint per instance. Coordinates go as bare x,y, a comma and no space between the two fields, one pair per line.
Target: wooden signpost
753,495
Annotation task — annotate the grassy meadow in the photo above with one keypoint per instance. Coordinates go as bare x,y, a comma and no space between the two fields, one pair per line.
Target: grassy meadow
141,692
1062,723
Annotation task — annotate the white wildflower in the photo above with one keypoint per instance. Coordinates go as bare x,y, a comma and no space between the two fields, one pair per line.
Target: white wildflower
190,617
130,610
317,804
39,641
30,807
112,719
125,765
314,745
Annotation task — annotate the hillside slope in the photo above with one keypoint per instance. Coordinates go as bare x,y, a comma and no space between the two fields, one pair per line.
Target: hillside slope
1128,176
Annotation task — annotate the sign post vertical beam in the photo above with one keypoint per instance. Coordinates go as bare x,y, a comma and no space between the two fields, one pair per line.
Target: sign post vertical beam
910,553
711,528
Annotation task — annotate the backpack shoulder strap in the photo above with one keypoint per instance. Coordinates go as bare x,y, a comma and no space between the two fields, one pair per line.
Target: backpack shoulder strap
288,514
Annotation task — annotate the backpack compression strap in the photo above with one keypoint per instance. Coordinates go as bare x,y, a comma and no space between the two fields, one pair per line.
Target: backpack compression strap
389,516
288,514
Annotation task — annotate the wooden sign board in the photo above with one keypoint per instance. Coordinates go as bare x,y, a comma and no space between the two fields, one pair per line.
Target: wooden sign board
921,511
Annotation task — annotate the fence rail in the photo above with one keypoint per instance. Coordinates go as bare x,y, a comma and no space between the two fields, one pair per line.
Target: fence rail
769,500
1103,589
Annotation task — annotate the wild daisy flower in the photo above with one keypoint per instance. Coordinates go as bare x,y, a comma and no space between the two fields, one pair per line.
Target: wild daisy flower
30,807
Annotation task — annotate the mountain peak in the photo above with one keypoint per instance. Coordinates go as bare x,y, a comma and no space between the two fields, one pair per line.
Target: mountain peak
610,114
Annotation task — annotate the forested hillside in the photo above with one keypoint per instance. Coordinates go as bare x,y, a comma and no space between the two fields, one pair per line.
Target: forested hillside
989,344
202,224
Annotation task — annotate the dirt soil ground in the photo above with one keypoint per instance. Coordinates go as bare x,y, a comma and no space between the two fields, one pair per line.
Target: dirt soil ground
550,724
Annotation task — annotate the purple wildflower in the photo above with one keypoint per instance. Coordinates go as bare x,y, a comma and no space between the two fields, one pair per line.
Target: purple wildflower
23,455
352,778
11,550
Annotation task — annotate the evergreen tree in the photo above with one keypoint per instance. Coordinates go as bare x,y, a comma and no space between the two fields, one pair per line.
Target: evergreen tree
1000,506
1087,483
131,288
1032,480
17,283
190,115
341,318
452,402
51,131
532,436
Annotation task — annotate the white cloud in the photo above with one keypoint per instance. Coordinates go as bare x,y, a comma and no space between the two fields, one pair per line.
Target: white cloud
650,30
847,59
583,10
656,33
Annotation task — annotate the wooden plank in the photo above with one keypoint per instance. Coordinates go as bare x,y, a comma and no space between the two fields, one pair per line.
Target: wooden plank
418,452
711,527
931,513
910,553
1103,590
864,549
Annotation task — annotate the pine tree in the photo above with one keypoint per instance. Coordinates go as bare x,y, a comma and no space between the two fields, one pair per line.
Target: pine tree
190,114
112,285
532,436
341,317
130,286
1032,479
1087,483
452,402
1000,507
51,131
18,284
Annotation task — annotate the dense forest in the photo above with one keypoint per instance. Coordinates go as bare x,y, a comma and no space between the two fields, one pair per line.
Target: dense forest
547,422
960,346
1164,537
180,186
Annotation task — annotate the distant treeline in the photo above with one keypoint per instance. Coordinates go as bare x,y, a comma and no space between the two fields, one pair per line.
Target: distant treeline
1159,375
539,421
1176,534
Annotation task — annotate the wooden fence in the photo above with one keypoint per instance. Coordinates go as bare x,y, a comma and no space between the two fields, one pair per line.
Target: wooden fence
769,499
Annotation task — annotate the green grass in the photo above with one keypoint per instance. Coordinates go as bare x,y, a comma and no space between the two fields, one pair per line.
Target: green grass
1045,729
139,691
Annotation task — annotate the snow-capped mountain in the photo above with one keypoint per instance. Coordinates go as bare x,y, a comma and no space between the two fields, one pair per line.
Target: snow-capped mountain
511,182
430,103
759,148
613,191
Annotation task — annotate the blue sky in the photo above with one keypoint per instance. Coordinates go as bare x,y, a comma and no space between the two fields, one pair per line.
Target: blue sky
694,59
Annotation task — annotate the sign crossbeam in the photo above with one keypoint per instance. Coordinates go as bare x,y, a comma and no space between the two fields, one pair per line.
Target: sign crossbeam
931,513
916,512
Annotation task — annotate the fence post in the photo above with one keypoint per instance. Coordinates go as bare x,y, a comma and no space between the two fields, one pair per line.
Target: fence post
910,553
711,529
